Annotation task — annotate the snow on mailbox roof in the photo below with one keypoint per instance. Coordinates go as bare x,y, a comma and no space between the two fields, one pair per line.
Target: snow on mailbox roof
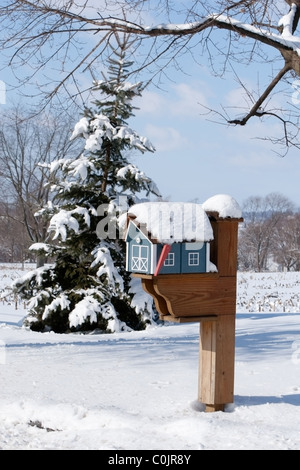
170,222
224,205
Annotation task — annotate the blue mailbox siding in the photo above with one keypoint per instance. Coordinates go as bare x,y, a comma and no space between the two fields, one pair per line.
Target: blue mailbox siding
142,255
172,264
184,258
194,258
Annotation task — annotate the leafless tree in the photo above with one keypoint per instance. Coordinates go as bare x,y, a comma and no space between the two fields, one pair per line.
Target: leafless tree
71,36
286,250
263,215
25,144
13,236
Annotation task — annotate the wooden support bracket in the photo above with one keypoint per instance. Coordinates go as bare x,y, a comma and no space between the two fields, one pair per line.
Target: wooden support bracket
171,318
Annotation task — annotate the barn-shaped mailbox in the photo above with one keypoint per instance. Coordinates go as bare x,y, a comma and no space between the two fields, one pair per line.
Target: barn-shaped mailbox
186,257
168,238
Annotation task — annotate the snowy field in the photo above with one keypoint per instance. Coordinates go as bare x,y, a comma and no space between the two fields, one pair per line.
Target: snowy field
138,391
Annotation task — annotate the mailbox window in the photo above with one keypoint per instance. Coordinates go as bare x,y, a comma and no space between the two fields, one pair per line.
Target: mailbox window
193,259
170,260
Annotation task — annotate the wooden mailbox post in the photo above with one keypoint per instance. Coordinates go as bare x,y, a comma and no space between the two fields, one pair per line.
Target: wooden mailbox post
201,288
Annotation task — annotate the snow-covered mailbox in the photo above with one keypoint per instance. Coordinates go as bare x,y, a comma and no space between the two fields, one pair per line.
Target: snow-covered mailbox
175,239
186,257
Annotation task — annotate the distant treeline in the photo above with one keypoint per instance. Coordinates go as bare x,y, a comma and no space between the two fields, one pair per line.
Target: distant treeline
269,238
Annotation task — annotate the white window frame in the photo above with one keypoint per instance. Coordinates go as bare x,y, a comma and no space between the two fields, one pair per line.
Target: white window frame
193,258
170,260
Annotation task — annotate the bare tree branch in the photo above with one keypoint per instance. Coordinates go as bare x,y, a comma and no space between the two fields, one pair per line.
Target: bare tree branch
30,26
255,110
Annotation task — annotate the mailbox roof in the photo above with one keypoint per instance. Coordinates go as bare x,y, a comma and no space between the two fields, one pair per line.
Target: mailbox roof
224,205
169,222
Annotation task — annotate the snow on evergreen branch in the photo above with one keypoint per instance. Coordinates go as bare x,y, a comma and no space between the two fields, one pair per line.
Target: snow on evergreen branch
100,128
64,221
36,274
80,167
139,142
60,301
53,166
125,86
141,301
81,128
133,171
107,267
85,309
89,307
42,247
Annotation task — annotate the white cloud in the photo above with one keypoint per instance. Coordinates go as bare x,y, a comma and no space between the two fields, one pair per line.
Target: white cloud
165,138
188,99
150,103
252,160
181,99
237,98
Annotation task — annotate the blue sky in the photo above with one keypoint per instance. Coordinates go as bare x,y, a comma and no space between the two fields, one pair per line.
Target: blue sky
196,158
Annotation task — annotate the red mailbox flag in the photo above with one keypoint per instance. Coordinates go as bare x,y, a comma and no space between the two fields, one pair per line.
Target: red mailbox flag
165,251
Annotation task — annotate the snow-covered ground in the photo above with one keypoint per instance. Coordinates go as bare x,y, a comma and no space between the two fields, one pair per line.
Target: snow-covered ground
138,391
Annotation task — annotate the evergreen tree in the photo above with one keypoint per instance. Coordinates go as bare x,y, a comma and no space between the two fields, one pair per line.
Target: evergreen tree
87,287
